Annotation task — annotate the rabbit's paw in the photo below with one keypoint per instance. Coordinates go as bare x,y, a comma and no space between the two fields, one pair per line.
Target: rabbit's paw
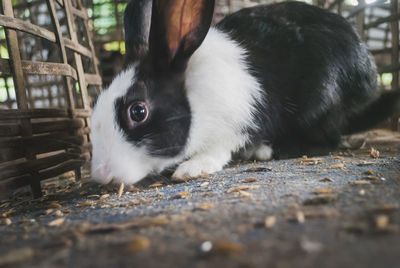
199,167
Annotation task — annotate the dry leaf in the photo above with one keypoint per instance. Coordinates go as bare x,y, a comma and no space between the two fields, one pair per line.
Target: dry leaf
340,165
270,221
93,196
374,153
242,188
137,243
56,222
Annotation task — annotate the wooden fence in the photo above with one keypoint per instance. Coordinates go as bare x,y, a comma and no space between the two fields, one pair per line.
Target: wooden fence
48,80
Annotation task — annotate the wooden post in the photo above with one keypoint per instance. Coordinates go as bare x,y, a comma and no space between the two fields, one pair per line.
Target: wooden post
395,55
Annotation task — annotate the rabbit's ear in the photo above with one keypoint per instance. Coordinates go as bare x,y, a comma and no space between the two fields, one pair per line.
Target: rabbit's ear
178,28
137,20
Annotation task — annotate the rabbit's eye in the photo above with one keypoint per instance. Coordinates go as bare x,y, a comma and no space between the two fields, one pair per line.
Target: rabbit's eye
138,112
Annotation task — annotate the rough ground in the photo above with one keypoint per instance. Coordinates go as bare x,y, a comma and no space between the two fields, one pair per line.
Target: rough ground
339,210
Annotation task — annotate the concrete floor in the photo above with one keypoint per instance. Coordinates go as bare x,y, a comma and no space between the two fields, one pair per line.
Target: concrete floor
339,210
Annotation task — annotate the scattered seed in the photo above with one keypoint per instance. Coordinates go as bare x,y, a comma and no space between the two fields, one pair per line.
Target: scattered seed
132,189
321,199
369,172
337,157
93,196
361,192
371,178
5,221
326,180
242,188
182,195
385,208
337,166
361,182
300,217
120,190
54,204
270,221
205,207
58,213
247,180
138,243
323,191
366,163
104,196
245,194
206,246
56,222
156,184
374,153
310,161
258,169
225,248
48,211
311,246
381,222
204,184
86,203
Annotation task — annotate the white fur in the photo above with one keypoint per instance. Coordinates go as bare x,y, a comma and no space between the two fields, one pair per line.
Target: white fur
222,97
113,157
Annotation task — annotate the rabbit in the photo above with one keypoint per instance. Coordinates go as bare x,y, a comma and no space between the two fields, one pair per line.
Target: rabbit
270,81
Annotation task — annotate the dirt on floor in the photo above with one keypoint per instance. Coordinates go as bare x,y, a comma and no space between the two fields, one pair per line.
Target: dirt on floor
337,210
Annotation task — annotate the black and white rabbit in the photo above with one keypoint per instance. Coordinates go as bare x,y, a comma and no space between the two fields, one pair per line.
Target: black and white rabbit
279,79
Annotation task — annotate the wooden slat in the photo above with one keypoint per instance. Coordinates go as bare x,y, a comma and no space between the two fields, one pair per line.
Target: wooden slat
78,48
9,130
36,113
62,125
79,13
32,67
20,25
93,79
35,67
24,168
394,17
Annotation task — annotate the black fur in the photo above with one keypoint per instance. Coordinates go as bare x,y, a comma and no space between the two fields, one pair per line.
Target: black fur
137,20
160,77
166,130
316,72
